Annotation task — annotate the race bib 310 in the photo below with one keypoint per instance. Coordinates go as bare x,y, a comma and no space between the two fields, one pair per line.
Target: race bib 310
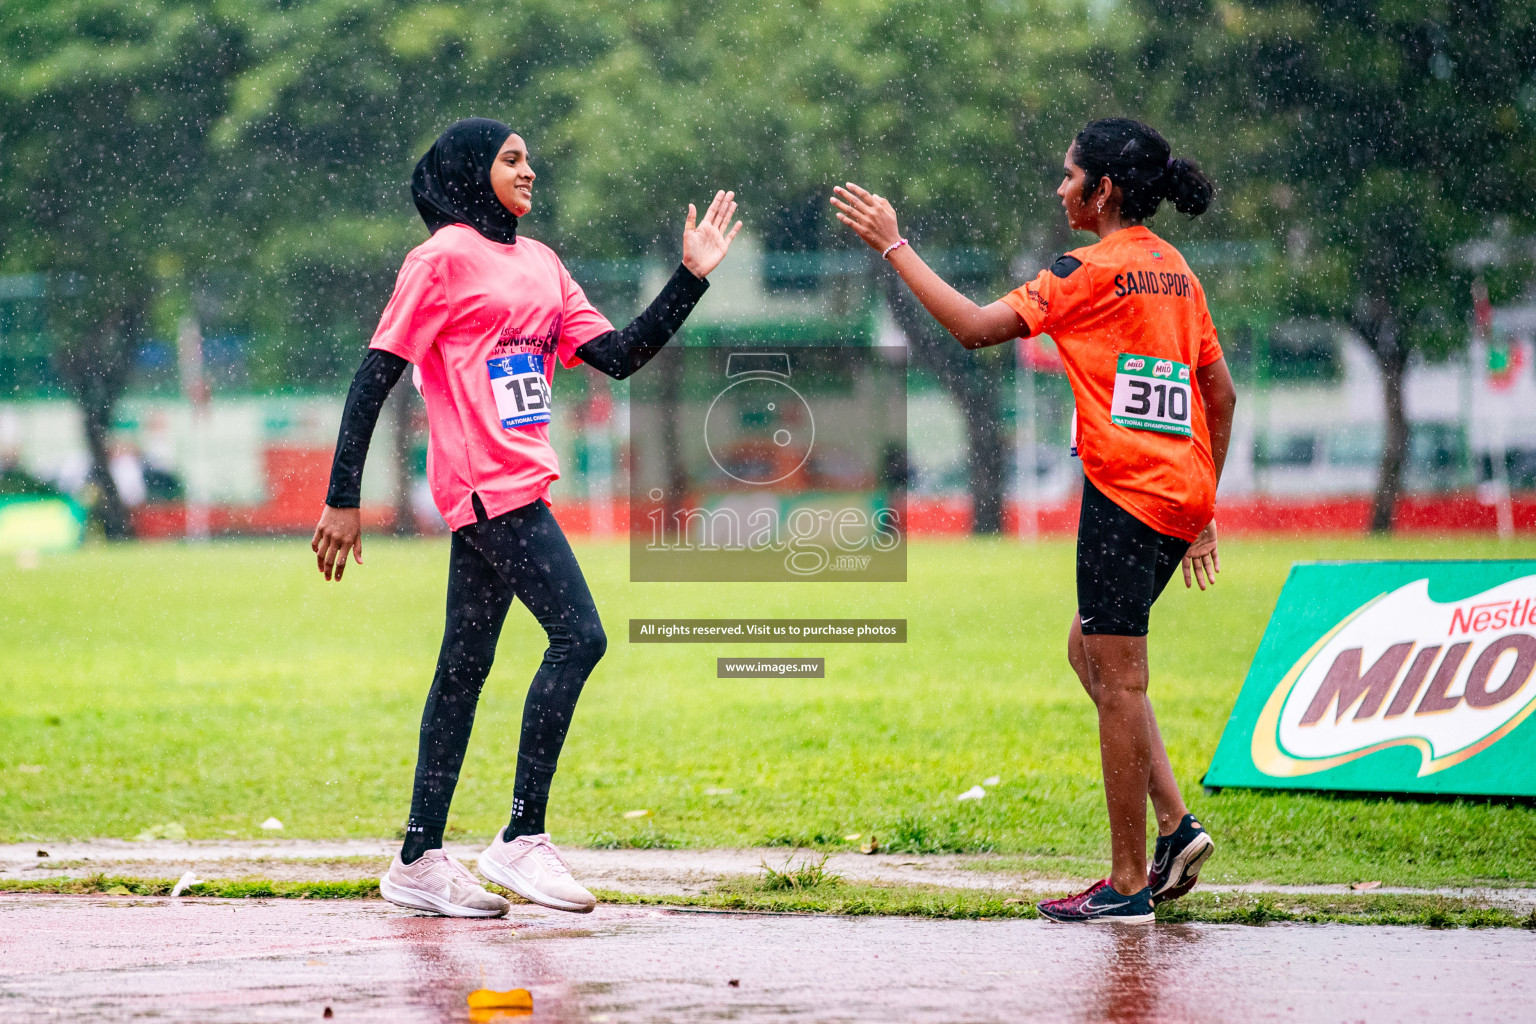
1151,394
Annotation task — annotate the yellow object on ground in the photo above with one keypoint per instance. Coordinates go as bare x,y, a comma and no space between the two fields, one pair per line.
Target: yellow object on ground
487,999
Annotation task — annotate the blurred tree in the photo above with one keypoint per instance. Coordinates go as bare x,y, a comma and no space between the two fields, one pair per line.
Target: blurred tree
162,158
103,108
959,113
1371,139
159,154
322,130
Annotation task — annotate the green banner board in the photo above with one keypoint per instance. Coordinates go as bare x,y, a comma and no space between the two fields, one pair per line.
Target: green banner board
39,523
1391,677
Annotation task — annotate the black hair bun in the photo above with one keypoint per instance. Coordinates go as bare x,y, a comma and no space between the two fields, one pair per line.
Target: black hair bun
1187,187
1136,159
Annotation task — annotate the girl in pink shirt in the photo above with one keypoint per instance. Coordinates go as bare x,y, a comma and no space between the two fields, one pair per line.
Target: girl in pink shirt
484,316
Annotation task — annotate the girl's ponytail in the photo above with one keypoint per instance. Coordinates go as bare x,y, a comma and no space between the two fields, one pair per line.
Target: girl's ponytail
1140,163
1187,187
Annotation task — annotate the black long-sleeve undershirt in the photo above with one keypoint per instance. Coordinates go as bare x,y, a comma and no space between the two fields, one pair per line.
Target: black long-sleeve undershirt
620,353
616,353
370,386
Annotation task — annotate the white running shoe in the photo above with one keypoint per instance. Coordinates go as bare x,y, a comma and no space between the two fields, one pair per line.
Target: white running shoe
531,867
438,883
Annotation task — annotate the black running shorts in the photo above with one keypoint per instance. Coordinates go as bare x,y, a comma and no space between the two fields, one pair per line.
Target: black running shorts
1122,566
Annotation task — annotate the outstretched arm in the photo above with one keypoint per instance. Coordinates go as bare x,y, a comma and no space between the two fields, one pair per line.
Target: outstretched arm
873,219
622,352
340,529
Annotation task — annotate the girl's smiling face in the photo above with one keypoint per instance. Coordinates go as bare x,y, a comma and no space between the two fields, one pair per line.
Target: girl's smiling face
512,178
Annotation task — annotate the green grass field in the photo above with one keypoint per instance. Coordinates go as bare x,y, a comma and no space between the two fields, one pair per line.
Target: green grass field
212,687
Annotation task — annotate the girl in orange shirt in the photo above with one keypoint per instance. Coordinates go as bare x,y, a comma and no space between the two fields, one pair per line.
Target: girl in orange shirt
1154,413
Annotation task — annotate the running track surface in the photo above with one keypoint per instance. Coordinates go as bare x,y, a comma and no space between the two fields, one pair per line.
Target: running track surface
105,958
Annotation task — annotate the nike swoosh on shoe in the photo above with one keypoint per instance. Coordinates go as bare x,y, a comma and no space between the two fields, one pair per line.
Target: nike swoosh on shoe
1088,904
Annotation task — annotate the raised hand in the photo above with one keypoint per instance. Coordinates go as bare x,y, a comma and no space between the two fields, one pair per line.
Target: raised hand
872,217
705,244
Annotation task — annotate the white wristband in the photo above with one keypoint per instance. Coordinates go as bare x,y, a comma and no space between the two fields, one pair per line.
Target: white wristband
892,248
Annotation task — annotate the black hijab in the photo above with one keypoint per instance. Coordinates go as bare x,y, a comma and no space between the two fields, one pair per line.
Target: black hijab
452,183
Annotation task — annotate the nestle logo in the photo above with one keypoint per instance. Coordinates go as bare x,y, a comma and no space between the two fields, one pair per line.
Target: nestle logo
1477,618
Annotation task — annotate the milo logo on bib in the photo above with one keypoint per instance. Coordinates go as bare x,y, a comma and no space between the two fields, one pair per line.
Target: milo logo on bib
1155,398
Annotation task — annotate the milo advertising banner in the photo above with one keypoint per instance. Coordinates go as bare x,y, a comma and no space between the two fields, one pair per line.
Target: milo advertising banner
1413,677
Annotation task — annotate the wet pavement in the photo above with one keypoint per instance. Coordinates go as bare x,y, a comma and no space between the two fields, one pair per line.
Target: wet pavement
92,958
680,872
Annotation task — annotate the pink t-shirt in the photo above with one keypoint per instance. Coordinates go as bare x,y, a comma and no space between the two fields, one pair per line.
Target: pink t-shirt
484,322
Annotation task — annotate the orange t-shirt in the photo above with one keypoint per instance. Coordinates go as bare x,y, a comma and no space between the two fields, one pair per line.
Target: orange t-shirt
1130,321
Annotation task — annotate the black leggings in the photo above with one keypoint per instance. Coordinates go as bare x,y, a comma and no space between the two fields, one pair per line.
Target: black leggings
521,554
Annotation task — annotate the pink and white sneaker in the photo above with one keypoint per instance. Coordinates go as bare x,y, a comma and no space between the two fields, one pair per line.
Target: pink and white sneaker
531,867
440,884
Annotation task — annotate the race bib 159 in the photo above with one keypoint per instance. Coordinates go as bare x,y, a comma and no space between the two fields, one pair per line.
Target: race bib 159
1151,394
522,392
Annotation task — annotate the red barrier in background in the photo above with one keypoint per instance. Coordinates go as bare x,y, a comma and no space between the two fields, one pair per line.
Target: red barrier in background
928,517
297,478
296,483
1440,513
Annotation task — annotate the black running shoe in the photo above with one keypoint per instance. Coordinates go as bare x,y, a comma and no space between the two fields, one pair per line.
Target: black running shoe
1101,902
1177,861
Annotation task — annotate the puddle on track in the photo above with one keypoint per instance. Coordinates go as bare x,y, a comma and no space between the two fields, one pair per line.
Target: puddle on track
260,960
